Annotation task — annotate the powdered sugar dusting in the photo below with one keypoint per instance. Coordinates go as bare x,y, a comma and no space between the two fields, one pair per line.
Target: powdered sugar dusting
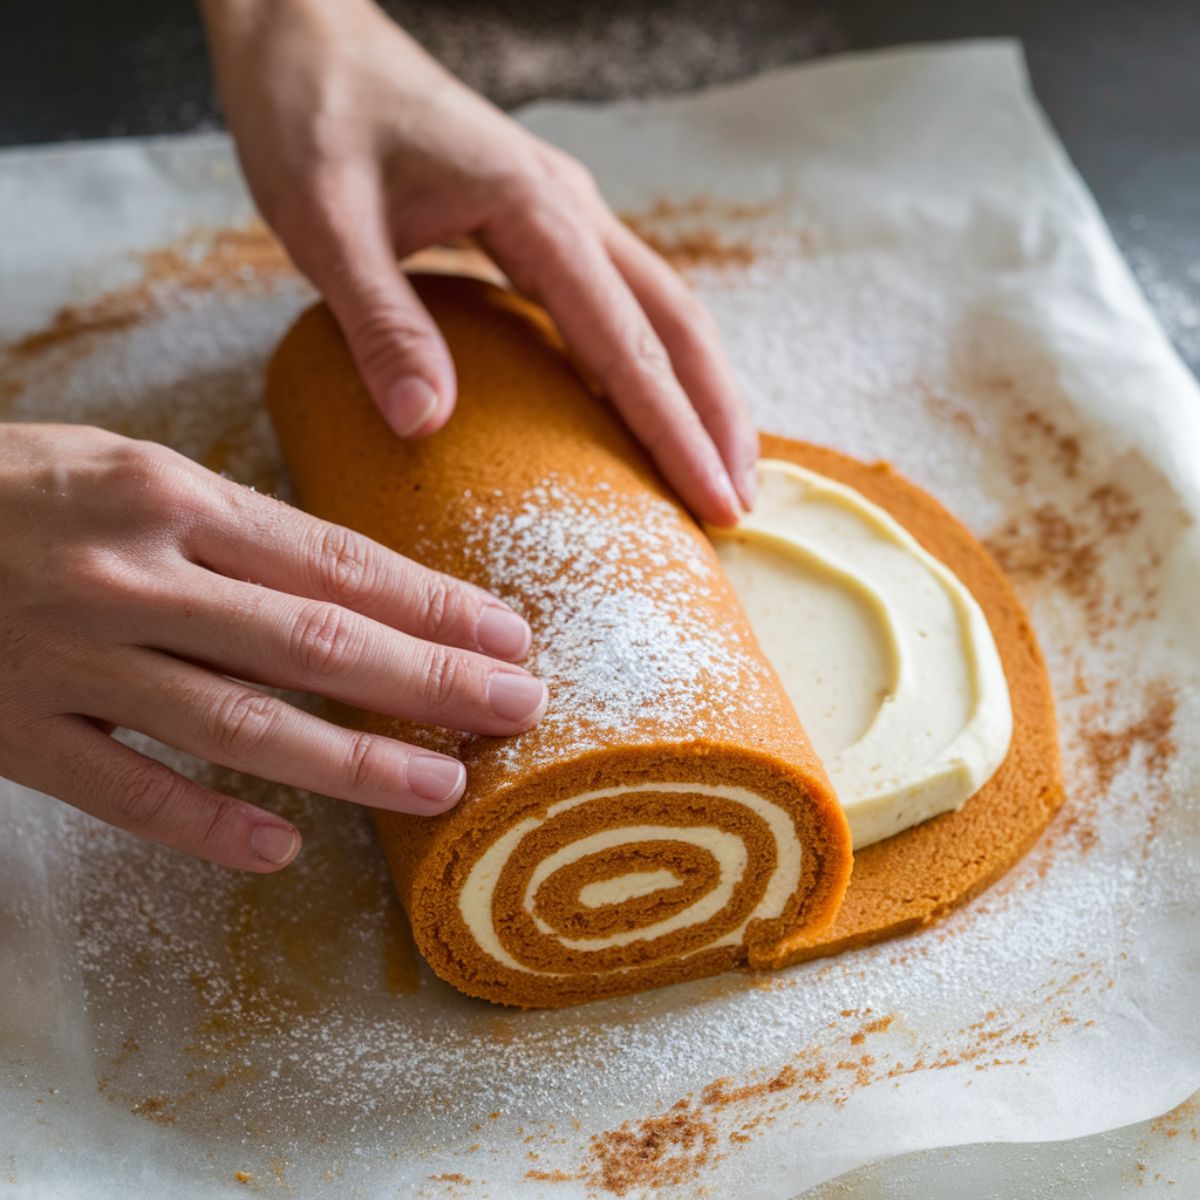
622,595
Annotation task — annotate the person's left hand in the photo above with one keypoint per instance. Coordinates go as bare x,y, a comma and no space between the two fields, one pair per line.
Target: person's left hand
360,150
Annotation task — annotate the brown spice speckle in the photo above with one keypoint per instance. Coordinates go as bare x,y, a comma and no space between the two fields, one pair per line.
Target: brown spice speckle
551,1176
687,249
659,1151
229,258
686,233
879,1025
1066,547
1108,750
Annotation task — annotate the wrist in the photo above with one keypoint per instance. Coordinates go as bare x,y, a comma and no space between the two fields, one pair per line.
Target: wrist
239,25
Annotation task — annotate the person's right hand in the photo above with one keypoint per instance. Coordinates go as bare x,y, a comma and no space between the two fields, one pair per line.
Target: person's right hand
137,589
361,150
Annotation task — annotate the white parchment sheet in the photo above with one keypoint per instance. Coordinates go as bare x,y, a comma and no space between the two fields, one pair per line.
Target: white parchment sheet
904,265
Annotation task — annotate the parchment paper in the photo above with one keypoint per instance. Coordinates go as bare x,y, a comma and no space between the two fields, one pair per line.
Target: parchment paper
904,265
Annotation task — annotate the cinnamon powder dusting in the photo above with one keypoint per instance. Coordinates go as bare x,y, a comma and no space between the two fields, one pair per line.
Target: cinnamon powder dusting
227,258
1105,751
1180,1125
194,308
1109,750
1182,1121
661,1151
1076,513
699,232
1100,747
673,1147
1088,532
692,248
1066,547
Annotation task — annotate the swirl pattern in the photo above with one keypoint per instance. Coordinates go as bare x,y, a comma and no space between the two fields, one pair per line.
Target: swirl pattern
667,818
718,858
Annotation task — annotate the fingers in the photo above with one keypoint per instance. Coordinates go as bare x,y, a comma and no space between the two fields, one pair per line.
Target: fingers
691,339
77,762
394,341
315,646
235,726
573,276
285,549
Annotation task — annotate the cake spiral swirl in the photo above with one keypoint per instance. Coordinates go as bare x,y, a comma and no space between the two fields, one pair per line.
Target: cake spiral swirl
667,818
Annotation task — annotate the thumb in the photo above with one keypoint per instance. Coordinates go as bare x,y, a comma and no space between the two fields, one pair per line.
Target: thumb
398,349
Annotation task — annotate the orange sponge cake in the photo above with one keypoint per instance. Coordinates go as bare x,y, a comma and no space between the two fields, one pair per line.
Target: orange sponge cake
909,880
667,818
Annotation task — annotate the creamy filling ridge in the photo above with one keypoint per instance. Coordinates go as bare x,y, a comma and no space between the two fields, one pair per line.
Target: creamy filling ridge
475,898
893,671
886,656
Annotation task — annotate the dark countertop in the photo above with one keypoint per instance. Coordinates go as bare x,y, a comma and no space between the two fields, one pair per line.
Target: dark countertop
1119,80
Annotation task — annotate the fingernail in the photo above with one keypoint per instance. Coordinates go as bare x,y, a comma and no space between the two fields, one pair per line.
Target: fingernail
275,843
502,634
408,404
432,777
516,697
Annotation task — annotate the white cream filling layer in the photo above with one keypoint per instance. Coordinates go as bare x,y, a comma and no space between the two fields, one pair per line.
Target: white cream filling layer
730,853
728,850
886,656
626,887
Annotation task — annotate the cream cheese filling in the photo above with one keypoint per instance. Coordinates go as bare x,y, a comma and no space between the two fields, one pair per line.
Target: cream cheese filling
475,898
886,656
632,886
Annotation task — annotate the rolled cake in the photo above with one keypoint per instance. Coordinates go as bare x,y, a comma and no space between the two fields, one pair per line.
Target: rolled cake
667,818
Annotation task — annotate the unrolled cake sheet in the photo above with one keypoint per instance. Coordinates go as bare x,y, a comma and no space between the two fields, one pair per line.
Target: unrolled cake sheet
904,265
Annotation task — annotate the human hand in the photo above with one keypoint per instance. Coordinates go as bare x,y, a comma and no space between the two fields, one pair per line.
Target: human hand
360,150
137,589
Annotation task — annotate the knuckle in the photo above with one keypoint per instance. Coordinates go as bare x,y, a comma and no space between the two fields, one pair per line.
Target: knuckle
519,190
445,612
544,248
386,335
639,361
138,466
221,816
693,321
108,576
445,676
345,566
87,569
242,722
575,177
152,485
534,209
550,176
312,210
363,762
324,639
145,794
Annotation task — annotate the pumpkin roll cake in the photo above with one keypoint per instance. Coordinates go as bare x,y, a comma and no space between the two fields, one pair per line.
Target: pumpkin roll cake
667,818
